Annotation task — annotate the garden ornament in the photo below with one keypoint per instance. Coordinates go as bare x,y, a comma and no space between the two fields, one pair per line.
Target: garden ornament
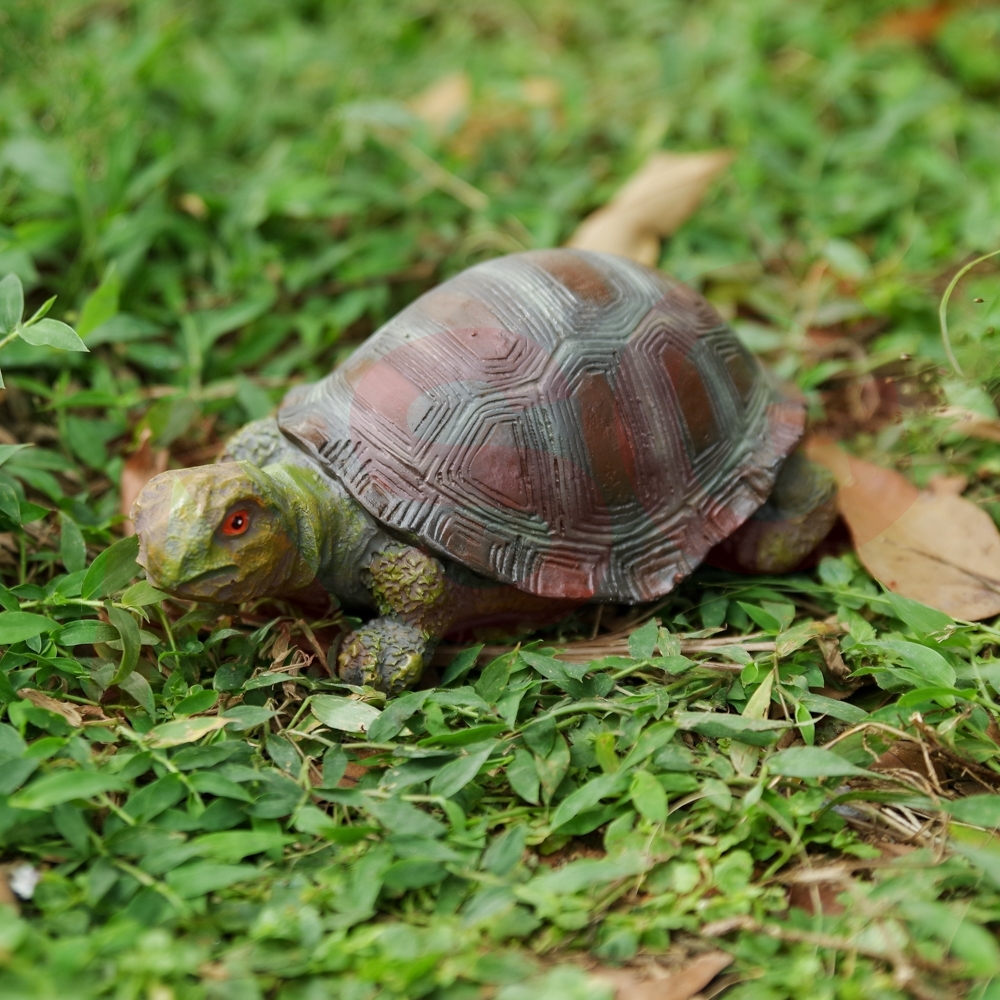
543,430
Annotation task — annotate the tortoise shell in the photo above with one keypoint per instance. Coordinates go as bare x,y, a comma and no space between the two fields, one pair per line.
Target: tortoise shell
568,422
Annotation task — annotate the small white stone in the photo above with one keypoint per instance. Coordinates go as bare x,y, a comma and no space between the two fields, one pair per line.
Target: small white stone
23,880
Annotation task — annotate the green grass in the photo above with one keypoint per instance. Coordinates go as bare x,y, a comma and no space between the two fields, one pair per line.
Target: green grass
226,197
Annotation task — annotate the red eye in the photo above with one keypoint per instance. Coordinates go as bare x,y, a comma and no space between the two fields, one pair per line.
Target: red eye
236,523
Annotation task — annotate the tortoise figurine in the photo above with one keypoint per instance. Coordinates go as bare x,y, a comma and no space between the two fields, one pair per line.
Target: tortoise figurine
543,430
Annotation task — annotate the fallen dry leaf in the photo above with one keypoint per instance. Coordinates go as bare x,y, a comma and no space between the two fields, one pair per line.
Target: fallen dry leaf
665,984
652,205
39,700
541,91
933,547
443,101
972,424
919,24
144,463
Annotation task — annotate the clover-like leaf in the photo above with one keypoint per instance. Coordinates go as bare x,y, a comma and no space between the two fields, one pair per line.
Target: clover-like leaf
11,303
52,333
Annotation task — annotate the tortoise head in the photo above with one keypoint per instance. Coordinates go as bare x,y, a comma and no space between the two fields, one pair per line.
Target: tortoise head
228,532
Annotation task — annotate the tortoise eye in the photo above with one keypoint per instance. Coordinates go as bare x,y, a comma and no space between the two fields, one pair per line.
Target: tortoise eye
237,523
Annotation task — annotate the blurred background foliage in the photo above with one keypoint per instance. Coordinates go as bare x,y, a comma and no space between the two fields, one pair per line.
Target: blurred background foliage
249,190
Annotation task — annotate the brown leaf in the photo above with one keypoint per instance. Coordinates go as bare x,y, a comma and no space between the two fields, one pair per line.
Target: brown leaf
541,91
673,984
39,700
919,24
652,204
903,755
141,466
443,101
972,424
936,548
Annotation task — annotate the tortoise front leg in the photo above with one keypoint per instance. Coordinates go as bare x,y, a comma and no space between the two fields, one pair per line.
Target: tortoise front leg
390,652
420,602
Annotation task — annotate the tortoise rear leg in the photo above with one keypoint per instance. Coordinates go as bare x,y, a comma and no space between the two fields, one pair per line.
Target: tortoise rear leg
794,519
421,601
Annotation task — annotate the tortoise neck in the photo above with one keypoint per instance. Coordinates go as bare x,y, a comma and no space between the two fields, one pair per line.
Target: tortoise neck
334,533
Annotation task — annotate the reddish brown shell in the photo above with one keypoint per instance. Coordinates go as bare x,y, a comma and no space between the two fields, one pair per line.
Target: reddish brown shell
571,423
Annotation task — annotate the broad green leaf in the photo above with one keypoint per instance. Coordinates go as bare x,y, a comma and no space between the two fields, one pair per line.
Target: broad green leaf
199,879
11,303
395,715
588,872
767,621
759,732
64,786
977,810
659,734
745,755
172,734
842,710
141,594
503,855
811,762
345,714
919,617
112,569
642,642
8,451
414,873
798,635
10,504
196,702
128,633
241,717
218,784
928,663
72,548
11,741
52,333
523,777
235,845
493,680
555,671
267,679
552,768
604,751
309,819
16,626
461,665
156,797
648,797
455,775
15,772
464,737
587,796
403,817
101,304
283,753
137,686
85,632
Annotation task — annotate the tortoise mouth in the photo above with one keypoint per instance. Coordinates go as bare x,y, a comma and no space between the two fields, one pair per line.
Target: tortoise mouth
211,585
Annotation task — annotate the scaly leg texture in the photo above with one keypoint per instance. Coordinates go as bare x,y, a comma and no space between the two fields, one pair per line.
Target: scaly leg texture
418,604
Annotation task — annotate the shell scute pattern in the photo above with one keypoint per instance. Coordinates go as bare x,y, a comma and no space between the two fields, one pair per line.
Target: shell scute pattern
570,423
